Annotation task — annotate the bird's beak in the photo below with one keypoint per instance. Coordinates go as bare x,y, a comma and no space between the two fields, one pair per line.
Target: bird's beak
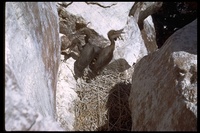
117,34
119,31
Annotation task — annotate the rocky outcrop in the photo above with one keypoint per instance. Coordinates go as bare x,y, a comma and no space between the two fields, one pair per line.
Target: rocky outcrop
163,96
132,47
100,17
142,10
149,35
32,57
103,16
19,114
112,15
32,53
67,85
66,95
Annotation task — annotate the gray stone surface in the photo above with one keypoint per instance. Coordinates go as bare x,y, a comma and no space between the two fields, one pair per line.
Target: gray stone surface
104,16
32,53
164,85
19,114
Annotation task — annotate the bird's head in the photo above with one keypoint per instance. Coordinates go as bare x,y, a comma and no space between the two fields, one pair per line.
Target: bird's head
84,31
115,34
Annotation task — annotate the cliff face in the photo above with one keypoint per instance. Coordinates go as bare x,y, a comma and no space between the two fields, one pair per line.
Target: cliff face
142,88
105,16
32,54
164,85
100,17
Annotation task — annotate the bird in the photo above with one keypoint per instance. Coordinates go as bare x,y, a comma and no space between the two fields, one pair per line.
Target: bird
106,54
67,44
88,34
72,50
76,42
87,54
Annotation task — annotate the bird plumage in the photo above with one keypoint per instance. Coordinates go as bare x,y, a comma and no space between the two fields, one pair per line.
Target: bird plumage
106,54
87,54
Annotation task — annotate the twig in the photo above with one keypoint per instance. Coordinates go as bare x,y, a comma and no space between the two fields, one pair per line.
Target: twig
71,70
98,106
65,5
94,3
119,100
31,126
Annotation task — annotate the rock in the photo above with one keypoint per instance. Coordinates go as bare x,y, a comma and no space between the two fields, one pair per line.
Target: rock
32,52
69,23
19,114
65,42
66,95
101,18
163,96
46,124
149,35
142,10
132,47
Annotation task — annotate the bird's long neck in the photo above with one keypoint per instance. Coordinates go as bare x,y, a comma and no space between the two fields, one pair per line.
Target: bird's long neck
112,44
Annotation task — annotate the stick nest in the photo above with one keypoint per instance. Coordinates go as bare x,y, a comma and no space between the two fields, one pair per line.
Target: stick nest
103,104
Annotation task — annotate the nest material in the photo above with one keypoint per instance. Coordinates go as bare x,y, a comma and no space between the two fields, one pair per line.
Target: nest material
103,104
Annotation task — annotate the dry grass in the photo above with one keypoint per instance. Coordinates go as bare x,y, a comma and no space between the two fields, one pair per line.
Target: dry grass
103,104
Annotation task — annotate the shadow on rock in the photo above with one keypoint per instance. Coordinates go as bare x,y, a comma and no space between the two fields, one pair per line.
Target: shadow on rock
67,56
118,65
119,114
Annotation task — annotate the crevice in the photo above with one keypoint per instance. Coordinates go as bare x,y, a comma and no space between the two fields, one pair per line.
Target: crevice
94,3
28,129
65,5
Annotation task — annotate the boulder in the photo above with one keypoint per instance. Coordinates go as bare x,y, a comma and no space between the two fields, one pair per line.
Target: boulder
66,95
101,17
149,35
163,96
32,53
19,114
141,10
